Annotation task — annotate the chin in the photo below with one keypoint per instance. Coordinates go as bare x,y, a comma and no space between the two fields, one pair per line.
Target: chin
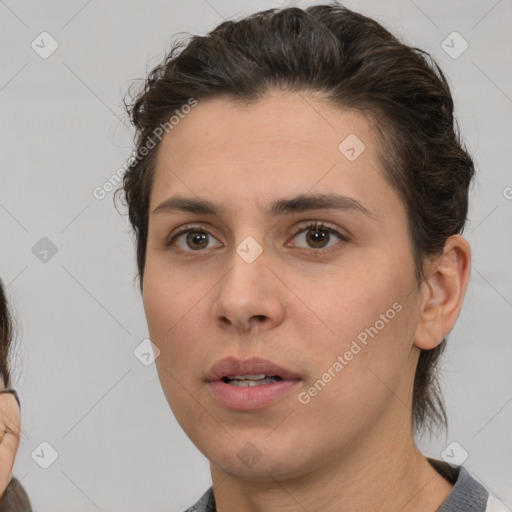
258,464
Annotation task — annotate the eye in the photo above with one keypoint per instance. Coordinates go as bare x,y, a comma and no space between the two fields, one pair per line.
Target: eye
196,239
317,235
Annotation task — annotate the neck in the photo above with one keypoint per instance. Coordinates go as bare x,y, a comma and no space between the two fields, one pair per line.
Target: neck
376,475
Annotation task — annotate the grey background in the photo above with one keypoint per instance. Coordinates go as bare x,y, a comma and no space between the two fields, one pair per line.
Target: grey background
82,389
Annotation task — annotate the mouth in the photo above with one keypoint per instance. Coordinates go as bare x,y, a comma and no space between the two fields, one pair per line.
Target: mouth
246,381
249,384
248,371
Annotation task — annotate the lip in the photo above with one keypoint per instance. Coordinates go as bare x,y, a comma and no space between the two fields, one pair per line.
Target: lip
254,397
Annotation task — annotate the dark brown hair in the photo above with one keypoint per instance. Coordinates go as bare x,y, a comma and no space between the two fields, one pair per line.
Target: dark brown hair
6,337
352,62
14,498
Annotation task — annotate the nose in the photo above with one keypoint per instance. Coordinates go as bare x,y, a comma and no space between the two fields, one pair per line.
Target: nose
249,297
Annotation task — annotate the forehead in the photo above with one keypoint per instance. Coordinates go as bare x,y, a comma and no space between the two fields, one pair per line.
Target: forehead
308,125
285,142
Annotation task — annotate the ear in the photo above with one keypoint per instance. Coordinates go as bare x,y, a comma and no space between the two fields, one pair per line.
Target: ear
442,292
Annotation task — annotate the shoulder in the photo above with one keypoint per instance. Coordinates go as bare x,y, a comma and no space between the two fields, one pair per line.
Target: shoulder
467,493
15,498
205,504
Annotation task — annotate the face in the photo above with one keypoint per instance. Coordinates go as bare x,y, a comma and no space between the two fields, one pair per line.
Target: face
324,291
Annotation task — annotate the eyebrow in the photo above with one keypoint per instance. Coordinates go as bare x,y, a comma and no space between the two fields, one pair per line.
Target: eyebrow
301,203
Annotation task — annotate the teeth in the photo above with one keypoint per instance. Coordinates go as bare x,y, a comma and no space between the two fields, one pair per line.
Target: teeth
235,381
250,377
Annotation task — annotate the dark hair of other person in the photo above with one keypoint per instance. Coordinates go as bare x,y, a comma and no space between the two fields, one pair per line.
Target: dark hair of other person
14,498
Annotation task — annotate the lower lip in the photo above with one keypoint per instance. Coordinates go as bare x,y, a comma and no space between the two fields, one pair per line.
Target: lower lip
253,397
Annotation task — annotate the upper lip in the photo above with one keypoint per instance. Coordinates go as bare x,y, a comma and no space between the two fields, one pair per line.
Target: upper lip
231,366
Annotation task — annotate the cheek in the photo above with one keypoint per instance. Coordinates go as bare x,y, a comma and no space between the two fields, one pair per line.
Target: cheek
371,326
171,314
169,311
350,306
176,307
354,384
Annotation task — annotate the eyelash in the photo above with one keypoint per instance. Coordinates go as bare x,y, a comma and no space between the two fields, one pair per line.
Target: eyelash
318,225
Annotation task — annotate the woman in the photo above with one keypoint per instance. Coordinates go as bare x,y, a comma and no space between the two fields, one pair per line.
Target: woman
13,497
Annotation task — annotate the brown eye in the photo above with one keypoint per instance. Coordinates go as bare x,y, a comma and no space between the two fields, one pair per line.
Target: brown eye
196,240
190,240
318,236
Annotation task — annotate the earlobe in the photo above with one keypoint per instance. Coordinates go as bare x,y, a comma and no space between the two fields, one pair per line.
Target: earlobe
442,292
